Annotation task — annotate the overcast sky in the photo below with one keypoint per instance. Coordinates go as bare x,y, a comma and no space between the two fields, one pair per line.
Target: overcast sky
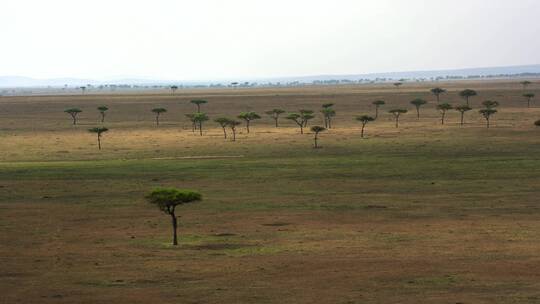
211,39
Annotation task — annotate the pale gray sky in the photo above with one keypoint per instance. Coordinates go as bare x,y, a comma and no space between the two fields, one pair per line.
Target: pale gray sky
211,39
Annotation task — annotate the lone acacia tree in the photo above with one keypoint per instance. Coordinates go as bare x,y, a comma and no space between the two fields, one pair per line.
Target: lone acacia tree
83,89
158,112
397,113
198,103
529,96
418,102
437,92
328,113
443,108
233,124
173,89
199,118
466,94
317,130
300,119
167,199
398,84
73,112
248,117
223,122
462,109
525,84
275,115
364,119
102,110
377,104
98,131
487,114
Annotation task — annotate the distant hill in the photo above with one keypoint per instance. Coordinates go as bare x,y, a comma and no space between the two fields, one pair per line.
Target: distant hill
20,81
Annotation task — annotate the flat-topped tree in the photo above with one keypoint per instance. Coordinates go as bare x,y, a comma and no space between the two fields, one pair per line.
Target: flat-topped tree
223,122
317,130
418,102
173,89
377,104
73,112
300,119
167,199
98,131
525,84
443,108
158,112
275,115
487,114
83,89
328,113
199,118
102,110
327,105
233,124
248,117
397,113
529,96
490,104
462,109
198,103
466,94
364,119
437,92
398,84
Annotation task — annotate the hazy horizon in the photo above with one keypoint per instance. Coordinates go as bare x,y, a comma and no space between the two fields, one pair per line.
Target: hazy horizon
202,40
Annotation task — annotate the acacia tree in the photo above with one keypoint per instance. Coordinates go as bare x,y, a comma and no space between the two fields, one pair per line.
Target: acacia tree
397,113
364,119
167,199
317,130
418,102
443,108
102,110
529,96
300,119
487,114
328,113
158,112
198,103
83,89
398,84
275,114
199,118
73,112
98,131
377,104
525,84
306,116
437,92
490,104
173,89
462,109
223,122
233,124
248,117
466,94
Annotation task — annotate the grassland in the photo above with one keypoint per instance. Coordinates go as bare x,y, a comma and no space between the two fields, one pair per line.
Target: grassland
420,214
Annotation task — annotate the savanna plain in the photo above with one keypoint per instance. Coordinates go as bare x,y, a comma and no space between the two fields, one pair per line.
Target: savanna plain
423,213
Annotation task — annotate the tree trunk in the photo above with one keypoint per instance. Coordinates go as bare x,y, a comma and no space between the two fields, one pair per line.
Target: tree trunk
102,117
157,120
198,108
99,141
462,114
442,118
200,127
233,134
417,112
467,99
528,102
487,122
397,119
315,138
74,119
174,225
276,119
224,132
376,112
302,128
247,125
329,123
362,132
